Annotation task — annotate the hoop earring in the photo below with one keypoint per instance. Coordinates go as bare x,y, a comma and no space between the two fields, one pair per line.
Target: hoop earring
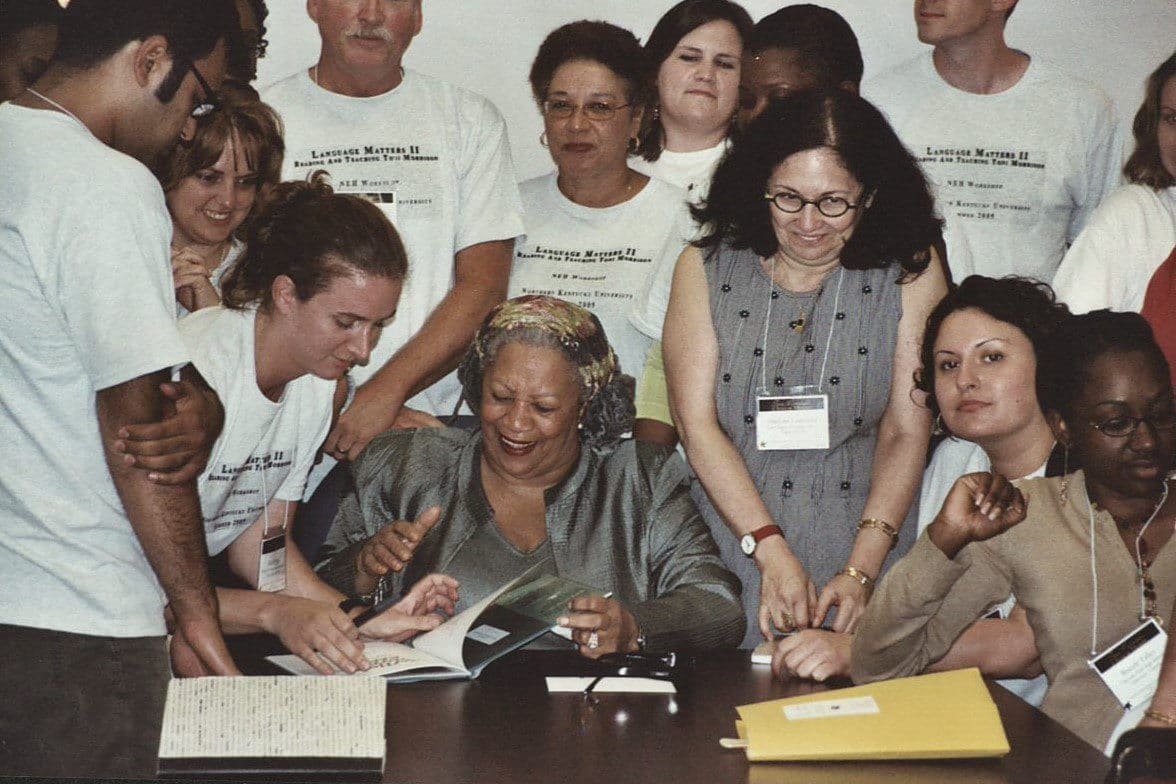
1064,485
543,139
937,427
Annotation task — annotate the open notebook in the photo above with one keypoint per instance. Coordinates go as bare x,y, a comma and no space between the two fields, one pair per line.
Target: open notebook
507,619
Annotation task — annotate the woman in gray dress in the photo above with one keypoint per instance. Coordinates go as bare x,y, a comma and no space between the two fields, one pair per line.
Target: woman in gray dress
791,344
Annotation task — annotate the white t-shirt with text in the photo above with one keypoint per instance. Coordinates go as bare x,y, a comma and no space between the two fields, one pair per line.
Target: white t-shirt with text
1016,174
266,448
600,258
435,158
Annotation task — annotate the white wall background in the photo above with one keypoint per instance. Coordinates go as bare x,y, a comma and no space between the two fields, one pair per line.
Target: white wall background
487,45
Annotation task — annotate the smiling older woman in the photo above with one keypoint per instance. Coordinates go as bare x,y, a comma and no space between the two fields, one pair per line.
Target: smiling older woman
212,185
544,482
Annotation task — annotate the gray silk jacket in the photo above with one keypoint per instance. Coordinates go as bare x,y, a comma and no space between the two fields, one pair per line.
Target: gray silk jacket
623,520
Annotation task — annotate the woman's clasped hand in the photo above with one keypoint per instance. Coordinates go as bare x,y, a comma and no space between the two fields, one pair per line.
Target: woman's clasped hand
979,506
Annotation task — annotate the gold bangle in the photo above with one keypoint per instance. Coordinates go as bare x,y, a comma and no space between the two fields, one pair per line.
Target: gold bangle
855,573
880,525
1162,718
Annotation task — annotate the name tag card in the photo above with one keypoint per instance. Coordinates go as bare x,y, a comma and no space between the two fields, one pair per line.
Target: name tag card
792,422
271,564
1131,667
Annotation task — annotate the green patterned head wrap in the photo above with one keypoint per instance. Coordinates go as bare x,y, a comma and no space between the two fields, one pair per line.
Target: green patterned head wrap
576,329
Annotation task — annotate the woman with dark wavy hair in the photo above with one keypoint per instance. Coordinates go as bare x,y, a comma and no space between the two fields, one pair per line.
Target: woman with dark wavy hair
1089,555
791,344
979,372
548,482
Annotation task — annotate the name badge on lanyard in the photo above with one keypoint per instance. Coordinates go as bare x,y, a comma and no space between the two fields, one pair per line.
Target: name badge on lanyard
1131,667
271,563
795,421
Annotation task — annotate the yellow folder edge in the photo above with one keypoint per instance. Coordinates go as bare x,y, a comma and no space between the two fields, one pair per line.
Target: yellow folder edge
939,716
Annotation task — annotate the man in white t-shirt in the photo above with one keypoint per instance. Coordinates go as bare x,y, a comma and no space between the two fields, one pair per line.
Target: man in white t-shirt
435,158
1020,153
91,548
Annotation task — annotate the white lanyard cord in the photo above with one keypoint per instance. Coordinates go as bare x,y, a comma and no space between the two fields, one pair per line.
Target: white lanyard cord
832,326
56,105
1139,564
1093,578
265,502
768,324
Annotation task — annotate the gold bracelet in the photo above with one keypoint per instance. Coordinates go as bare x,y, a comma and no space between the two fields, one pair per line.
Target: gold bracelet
880,525
1162,718
855,573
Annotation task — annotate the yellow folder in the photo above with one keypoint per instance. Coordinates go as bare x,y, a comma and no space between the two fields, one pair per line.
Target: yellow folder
942,715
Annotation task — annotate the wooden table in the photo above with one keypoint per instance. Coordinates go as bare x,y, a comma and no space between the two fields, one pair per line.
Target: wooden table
505,727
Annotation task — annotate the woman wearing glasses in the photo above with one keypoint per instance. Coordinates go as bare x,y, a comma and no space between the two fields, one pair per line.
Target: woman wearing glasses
791,343
1087,555
595,227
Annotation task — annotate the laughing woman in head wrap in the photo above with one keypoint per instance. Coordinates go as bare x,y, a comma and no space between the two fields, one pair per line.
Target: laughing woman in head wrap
544,482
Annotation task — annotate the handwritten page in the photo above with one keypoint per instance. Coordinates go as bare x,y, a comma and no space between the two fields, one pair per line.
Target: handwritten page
273,717
385,658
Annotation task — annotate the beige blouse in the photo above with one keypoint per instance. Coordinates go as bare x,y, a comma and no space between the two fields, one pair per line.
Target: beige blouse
927,600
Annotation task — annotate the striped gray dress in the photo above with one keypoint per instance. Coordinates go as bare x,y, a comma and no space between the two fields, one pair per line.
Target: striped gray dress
817,496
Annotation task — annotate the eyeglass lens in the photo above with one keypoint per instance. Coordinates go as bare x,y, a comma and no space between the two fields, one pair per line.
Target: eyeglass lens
829,206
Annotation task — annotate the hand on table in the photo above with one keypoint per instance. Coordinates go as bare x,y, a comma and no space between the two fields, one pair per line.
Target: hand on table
198,649
812,653
849,596
600,626
787,595
317,632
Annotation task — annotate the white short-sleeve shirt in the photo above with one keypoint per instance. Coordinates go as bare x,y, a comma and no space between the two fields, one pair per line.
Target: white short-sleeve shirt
86,303
266,448
1016,174
600,258
435,158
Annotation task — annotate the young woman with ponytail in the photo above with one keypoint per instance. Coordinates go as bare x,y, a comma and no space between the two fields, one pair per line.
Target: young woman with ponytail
320,277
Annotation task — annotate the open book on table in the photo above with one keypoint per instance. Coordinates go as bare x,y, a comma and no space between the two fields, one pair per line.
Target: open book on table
507,619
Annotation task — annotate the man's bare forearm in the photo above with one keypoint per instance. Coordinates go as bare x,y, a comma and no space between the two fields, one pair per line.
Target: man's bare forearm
482,273
166,519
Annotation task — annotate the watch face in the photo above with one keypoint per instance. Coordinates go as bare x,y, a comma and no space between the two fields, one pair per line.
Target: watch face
747,543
